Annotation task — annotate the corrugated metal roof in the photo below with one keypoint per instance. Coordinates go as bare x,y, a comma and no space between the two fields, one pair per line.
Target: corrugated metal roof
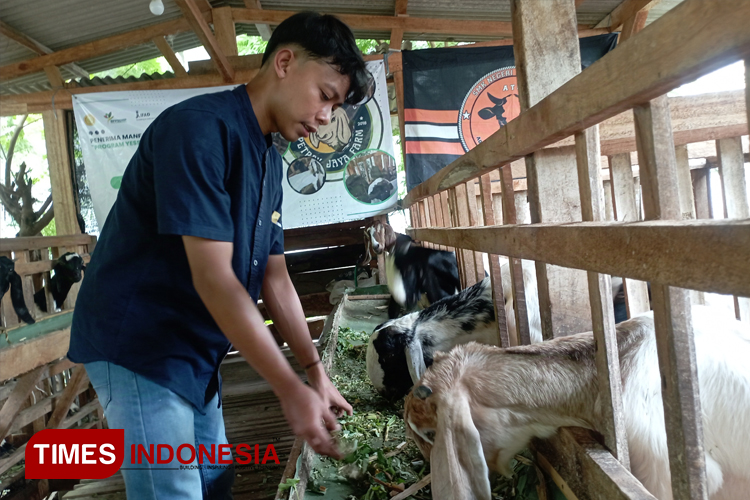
63,24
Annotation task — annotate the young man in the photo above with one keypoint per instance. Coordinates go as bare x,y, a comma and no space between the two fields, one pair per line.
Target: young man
193,239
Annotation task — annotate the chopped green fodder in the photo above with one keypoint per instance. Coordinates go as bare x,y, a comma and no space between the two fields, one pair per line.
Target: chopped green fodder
380,461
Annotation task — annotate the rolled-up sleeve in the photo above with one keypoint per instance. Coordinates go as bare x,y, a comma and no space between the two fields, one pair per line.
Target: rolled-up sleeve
190,172
277,232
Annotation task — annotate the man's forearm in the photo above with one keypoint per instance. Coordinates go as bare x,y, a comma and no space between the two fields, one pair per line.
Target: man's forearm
283,305
238,317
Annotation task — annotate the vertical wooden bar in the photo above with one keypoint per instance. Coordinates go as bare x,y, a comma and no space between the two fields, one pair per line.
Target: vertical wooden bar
609,210
445,207
546,48
382,275
453,204
590,185
515,265
226,36
496,279
463,221
626,209
436,200
700,190
672,310
471,199
63,198
684,183
734,189
398,83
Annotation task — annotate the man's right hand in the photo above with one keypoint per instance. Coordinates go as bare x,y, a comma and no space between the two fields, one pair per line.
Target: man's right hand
311,419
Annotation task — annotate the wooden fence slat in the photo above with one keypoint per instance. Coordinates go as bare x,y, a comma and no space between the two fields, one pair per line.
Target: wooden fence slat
13,405
672,309
734,189
471,199
496,279
510,216
707,255
453,208
700,190
76,383
462,211
445,207
588,157
627,209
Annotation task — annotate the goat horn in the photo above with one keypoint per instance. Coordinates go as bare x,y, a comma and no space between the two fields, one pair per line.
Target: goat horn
422,392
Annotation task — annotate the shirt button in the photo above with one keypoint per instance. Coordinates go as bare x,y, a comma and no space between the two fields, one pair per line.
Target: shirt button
260,222
255,262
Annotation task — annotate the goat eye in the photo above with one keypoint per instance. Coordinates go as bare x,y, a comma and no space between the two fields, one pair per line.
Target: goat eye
430,435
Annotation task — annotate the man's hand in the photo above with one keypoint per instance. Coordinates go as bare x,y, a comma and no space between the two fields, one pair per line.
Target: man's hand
307,413
322,384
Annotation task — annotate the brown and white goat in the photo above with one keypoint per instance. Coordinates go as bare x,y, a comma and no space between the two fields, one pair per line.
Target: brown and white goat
478,405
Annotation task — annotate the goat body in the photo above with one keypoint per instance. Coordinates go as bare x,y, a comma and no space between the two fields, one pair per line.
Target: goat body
9,279
400,350
67,272
477,406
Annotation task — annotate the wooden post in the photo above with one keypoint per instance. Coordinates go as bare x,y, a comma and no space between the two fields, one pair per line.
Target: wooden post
734,189
700,190
588,156
170,56
63,197
684,183
515,265
453,208
672,310
496,279
626,209
445,207
224,30
463,221
547,55
471,199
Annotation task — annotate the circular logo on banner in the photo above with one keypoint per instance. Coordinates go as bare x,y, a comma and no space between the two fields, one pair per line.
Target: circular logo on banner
349,132
490,103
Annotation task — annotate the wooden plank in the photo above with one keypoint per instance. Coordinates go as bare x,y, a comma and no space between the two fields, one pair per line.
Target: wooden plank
662,57
401,7
552,182
684,182
471,198
672,310
76,384
634,24
264,30
166,50
734,190
14,404
194,16
700,190
226,36
628,9
462,212
54,76
63,198
747,88
588,468
627,210
510,216
25,356
453,210
496,279
708,255
588,157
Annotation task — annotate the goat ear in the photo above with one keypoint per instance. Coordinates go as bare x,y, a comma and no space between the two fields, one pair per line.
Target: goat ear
314,140
415,360
459,469
390,235
343,132
486,113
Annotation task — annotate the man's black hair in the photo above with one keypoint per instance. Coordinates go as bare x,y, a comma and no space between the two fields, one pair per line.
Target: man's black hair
325,37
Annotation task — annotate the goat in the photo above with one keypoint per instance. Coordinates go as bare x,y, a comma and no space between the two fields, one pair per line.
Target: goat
532,301
9,279
400,350
496,111
413,270
478,405
335,134
67,272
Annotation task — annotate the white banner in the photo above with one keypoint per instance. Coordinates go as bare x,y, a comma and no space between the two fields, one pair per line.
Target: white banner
345,171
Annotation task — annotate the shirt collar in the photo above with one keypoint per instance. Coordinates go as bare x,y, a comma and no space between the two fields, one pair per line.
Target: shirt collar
251,120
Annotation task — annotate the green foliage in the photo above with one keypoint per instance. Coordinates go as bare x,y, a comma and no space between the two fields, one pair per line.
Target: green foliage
369,46
288,484
156,65
51,229
250,45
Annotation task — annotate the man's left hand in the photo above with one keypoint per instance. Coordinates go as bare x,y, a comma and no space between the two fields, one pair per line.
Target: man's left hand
322,384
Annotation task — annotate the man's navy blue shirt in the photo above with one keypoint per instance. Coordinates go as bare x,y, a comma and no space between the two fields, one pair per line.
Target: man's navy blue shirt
203,168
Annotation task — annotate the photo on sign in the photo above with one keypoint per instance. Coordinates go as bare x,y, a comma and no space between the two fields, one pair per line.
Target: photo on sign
306,175
370,177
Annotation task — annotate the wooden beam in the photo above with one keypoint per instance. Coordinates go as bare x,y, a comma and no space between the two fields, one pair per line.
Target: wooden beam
76,383
194,16
25,356
226,36
401,7
264,30
587,467
14,404
37,47
63,197
708,255
54,76
628,9
646,67
93,49
612,423
672,309
166,50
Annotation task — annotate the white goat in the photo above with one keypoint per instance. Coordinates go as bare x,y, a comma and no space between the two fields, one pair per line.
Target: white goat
478,405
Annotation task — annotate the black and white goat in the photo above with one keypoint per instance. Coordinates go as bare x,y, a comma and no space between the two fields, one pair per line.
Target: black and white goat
9,279
413,271
67,273
477,406
400,350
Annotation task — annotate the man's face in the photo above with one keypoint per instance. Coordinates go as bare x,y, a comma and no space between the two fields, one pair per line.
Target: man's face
308,93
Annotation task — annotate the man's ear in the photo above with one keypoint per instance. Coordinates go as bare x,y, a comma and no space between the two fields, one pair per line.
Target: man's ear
282,61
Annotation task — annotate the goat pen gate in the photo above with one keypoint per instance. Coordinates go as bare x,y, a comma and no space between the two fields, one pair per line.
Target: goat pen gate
573,246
